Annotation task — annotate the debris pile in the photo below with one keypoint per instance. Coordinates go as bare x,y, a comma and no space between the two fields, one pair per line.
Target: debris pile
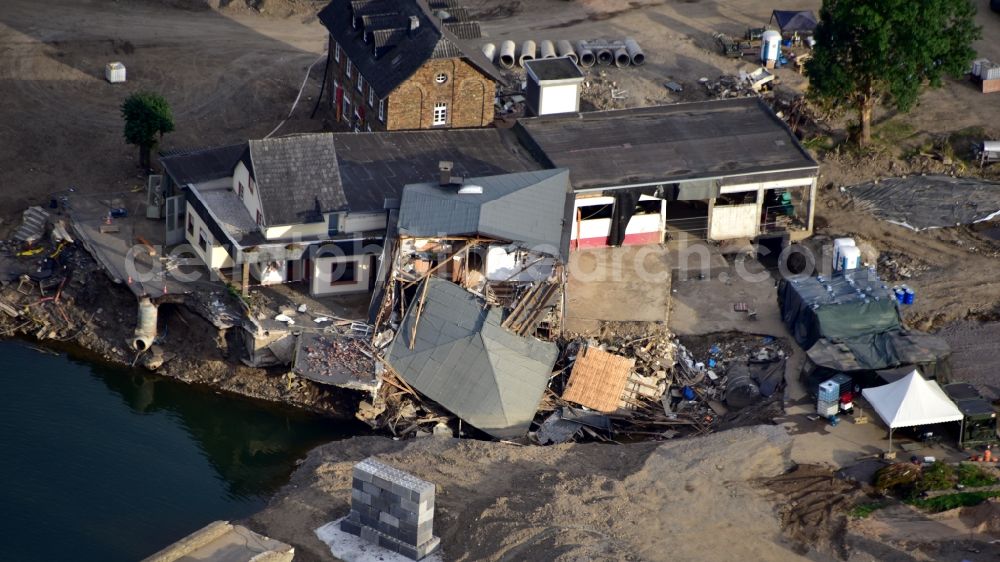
744,84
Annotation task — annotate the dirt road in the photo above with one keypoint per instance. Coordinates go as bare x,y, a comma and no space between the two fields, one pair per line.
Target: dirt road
228,77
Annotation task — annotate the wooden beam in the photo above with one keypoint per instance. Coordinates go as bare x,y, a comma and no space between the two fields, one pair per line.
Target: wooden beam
246,279
420,309
443,263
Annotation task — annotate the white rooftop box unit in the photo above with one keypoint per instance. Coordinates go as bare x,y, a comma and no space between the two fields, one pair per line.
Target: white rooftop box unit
553,86
114,72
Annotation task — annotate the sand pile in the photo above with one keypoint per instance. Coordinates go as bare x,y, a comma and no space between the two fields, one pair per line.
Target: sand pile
693,498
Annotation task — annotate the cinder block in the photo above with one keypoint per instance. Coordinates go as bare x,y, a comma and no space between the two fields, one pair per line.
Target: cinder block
382,482
389,543
418,552
371,489
389,518
369,534
357,496
425,531
351,527
362,473
408,505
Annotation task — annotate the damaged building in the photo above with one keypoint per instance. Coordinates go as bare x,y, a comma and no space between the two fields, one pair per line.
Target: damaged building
715,170
475,287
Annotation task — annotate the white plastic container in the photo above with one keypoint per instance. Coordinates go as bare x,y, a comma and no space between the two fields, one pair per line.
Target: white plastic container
850,259
838,245
770,46
114,72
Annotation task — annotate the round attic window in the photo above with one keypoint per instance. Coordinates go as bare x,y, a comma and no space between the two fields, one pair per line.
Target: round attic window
441,78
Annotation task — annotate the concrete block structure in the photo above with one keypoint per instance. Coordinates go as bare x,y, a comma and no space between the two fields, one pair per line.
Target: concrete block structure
392,508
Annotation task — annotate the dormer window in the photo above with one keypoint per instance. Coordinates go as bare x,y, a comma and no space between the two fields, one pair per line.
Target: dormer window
441,78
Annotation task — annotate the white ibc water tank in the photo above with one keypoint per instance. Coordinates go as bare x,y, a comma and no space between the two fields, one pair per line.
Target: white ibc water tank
114,72
850,259
770,46
838,245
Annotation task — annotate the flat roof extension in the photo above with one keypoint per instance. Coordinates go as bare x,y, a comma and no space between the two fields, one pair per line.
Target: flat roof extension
726,140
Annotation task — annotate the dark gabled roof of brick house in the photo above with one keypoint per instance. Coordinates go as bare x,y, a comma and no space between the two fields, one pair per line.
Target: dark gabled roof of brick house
298,178
377,38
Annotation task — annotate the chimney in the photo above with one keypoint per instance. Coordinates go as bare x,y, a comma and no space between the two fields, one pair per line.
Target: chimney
414,24
445,167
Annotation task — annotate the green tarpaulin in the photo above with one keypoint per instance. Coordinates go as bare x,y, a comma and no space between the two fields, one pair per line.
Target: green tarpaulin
841,307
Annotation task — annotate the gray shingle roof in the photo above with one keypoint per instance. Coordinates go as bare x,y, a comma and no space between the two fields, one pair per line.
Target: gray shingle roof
526,208
376,166
297,177
392,57
466,362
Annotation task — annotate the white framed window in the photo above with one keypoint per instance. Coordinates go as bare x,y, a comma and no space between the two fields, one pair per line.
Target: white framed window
371,96
361,83
381,110
440,113
347,68
441,78
336,52
347,109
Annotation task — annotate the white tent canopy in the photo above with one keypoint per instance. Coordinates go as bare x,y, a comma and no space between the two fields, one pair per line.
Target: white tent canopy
910,401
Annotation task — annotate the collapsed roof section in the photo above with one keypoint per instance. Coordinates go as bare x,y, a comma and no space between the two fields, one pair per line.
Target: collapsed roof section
463,359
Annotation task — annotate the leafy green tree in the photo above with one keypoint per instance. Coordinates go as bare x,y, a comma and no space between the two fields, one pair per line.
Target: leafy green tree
147,118
884,51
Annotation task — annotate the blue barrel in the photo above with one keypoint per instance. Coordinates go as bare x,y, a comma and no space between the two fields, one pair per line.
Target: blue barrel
688,393
900,294
908,296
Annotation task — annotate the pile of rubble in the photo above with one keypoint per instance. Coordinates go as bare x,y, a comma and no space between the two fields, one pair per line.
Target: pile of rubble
745,84
897,266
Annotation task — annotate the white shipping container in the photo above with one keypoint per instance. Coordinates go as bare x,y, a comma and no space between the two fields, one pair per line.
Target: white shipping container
114,72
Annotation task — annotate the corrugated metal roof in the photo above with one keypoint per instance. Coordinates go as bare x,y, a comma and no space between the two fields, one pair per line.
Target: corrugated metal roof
669,143
526,208
466,362
298,178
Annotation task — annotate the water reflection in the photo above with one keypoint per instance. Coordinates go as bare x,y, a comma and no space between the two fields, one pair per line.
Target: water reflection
108,464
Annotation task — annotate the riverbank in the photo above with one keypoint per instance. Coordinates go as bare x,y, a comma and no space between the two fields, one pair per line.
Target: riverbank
94,318
733,495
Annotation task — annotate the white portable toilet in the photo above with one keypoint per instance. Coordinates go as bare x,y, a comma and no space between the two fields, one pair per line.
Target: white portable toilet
770,47
838,245
850,258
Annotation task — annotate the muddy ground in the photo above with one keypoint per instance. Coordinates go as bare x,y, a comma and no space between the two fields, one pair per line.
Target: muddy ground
231,69
734,495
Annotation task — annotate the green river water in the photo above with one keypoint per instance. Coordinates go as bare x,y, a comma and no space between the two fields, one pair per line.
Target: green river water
105,465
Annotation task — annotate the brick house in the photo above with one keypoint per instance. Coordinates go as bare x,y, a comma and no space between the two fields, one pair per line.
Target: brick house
401,64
